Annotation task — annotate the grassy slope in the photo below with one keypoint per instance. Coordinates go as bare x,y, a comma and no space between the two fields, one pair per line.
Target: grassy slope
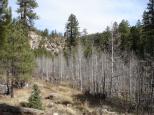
63,100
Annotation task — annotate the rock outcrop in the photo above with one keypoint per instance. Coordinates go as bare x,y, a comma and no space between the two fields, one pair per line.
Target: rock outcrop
52,44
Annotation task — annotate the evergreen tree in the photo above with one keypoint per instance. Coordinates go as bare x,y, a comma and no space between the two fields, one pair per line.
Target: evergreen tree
35,98
26,11
5,20
124,31
72,32
19,56
148,29
87,49
116,40
106,37
45,33
134,38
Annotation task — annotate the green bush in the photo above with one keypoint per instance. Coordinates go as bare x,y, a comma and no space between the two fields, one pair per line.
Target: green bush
35,98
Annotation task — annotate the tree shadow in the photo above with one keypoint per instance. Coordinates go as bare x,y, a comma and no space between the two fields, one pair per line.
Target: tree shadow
9,110
100,100
6,109
92,99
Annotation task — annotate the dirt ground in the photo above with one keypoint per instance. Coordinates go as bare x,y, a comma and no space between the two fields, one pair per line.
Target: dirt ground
58,100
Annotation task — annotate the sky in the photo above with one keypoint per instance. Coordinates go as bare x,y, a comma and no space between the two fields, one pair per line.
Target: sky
94,15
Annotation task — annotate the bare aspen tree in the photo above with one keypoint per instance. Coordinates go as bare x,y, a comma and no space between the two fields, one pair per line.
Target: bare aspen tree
61,66
80,73
112,61
103,72
130,75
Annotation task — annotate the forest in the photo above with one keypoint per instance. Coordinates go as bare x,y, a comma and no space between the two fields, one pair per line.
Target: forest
116,65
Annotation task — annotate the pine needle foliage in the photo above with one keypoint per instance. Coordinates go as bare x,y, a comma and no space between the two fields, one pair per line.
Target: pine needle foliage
35,98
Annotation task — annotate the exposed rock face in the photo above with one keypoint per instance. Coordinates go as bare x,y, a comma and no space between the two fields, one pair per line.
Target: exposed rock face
54,45
34,40
3,89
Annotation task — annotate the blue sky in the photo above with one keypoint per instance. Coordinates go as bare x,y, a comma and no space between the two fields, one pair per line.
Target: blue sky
94,15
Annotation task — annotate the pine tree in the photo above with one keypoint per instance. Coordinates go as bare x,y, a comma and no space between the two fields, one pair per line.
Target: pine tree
148,30
134,38
72,32
5,20
27,15
19,56
106,37
35,98
124,31
45,33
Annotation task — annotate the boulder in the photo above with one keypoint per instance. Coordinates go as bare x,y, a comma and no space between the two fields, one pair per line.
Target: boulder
3,89
55,114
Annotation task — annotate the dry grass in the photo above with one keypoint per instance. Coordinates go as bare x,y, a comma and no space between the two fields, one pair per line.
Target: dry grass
63,101
21,95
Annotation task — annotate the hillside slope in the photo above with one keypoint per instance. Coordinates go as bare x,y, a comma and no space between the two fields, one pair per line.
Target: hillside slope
58,100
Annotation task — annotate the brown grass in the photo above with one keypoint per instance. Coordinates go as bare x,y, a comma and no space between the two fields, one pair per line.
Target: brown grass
63,101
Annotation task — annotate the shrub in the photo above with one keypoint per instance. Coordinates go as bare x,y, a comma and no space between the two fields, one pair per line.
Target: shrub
35,98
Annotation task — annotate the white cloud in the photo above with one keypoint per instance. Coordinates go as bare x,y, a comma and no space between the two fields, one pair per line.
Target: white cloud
94,15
